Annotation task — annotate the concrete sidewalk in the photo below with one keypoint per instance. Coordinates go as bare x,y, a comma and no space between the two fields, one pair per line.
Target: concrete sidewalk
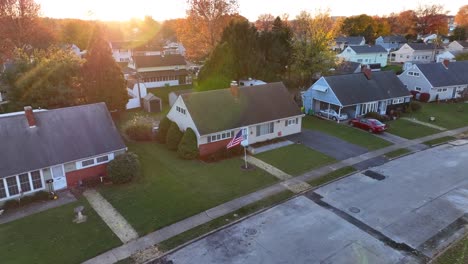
158,236
414,120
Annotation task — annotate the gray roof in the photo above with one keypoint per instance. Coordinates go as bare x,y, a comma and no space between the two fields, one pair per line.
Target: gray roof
346,67
464,43
439,76
351,89
368,49
159,60
394,38
422,46
219,110
179,92
352,40
61,135
151,97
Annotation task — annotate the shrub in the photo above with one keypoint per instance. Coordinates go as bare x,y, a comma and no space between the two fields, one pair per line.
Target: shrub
173,137
188,148
375,115
424,97
414,93
163,128
139,131
124,168
415,106
27,199
224,153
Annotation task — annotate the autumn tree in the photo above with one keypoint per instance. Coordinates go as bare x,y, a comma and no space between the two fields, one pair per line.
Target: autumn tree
405,24
77,32
431,19
103,80
462,17
362,25
265,22
204,24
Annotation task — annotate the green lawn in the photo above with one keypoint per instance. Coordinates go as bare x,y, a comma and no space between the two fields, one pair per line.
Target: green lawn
447,115
332,176
52,237
397,153
457,254
438,141
344,132
172,189
396,68
295,159
410,130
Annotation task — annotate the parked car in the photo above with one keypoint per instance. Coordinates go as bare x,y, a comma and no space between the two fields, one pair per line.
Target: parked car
371,125
332,114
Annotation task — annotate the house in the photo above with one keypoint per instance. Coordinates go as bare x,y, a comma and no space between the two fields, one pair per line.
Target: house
342,42
446,55
346,67
175,94
458,46
441,80
365,55
160,70
415,52
431,38
174,48
391,43
267,111
136,91
121,50
65,145
356,94
251,82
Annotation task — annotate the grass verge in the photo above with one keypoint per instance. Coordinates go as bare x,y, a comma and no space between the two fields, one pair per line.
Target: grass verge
332,176
397,153
409,130
456,254
438,141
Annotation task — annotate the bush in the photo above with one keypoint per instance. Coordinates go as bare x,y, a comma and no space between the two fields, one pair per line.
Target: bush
415,106
188,148
414,93
163,128
224,153
173,137
375,115
139,131
27,199
424,97
123,168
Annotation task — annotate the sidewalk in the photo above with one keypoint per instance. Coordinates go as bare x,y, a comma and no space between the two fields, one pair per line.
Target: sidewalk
160,235
414,120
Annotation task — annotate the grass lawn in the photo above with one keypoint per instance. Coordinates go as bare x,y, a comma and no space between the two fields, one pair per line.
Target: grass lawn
410,130
439,140
396,68
52,237
295,159
172,189
397,153
332,176
352,135
457,254
447,115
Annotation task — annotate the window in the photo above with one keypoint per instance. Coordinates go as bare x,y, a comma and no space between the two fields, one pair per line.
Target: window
2,189
444,90
102,159
413,73
290,122
418,89
87,163
180,110
265,129
36,180
398,101
410,73
359,60
439,90
220,136
24,182
416,74
12,185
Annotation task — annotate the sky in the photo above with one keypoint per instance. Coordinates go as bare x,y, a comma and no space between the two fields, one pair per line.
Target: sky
161,10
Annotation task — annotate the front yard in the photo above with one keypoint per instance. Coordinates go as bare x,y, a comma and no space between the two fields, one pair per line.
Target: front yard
52,237
447,115
172,189
295,159
352,135
409,130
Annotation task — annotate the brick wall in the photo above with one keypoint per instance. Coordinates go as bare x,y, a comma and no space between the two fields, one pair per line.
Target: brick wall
74,177
209,148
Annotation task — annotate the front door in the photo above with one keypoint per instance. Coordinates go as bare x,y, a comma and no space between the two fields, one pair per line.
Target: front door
60,182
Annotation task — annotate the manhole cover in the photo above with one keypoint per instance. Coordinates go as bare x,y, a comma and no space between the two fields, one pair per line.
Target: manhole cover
354,210
251,231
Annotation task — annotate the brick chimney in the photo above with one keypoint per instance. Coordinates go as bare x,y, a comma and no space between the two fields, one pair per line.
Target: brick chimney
367,72
446,63
28,112
234,89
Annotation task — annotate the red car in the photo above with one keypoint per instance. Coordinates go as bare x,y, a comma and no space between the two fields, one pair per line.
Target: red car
371,125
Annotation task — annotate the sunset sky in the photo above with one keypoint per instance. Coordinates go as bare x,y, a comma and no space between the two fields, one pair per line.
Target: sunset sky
161,10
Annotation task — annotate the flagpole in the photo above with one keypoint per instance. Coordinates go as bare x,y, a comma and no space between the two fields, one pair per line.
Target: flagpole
245,157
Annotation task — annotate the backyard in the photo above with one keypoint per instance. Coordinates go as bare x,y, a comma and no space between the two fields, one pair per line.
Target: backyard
52,237
352,135
172,189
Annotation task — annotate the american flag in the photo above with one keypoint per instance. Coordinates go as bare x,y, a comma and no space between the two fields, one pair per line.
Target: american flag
236,140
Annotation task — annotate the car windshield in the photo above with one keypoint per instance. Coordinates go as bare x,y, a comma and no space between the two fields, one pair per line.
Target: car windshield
378,123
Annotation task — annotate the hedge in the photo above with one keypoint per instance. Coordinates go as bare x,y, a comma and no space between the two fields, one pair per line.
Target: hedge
188,148
173,137
124,168
163,128
27,199
139,131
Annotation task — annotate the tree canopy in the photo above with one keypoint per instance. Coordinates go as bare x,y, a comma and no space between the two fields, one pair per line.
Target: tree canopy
462,17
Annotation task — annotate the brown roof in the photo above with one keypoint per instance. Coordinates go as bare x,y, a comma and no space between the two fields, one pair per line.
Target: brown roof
159,60
219,110
163,73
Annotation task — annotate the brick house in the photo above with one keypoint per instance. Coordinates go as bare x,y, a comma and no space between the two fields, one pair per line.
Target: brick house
65,145
268,111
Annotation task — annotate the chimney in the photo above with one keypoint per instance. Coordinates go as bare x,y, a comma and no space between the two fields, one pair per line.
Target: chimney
367,72
446,63
28,112
234,89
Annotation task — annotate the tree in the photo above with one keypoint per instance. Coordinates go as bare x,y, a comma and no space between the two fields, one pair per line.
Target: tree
431,19
123,168
44,78
173,137
188,148
362,25
459,33
462,57
264,22
77,32
406,24
205,22
462,17
103,80
164,126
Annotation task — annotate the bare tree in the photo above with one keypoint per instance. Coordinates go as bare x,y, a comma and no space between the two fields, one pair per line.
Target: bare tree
264,22
431,19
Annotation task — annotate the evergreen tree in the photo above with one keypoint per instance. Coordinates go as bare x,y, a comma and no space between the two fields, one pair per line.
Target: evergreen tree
188,148
103,80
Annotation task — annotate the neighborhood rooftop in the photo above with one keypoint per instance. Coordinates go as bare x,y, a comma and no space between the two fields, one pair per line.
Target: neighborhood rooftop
368,49
353,40
219,110
456,73
61,135
159,60
422,46
394,38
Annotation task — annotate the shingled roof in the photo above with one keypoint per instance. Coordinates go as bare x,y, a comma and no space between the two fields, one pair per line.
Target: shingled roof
438,75
394,38
422,46
159,60
61,135
351,89
352,40
368,49
219,110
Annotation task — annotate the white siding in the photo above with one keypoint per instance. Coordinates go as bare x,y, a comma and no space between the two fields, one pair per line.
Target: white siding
366,58
184,121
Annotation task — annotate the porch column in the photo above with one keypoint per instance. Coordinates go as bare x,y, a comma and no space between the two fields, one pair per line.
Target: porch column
339,114
328,114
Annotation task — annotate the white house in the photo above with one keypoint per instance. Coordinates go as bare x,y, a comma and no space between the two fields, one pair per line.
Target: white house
415,52
267,111
121,50
342,42
446,55
174,48
172,97
365,54
441,80
251,82
458,46
392,42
